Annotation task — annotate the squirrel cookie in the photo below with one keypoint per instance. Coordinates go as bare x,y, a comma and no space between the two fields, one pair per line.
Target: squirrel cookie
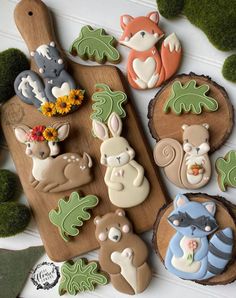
122,253
127,185
146,67
57,95
199,239
52,172
188,165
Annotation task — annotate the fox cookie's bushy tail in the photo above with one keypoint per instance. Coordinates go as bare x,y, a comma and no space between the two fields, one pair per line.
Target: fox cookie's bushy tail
29,87
171,54
220,252
168,154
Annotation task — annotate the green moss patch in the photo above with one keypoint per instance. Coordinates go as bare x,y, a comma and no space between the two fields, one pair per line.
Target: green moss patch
216,18
8,185
229,68
12,62
14,218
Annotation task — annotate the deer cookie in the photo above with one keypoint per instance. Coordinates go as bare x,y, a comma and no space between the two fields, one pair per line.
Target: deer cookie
123,254
188,165
58,94
50,173
190,254
127,185
147,68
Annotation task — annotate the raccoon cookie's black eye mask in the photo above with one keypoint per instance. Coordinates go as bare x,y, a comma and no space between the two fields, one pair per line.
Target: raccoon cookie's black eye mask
185,220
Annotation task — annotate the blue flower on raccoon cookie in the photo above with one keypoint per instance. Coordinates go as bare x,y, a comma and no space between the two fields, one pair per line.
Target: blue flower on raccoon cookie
194,222
57,81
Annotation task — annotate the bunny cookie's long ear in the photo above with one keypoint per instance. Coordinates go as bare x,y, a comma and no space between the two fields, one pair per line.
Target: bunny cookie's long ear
115,124
100,130
22,132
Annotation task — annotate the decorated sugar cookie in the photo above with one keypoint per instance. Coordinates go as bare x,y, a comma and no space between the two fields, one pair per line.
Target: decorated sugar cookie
71,214
52,172
199,249
106,102
127,185
57,94
122,253
80,276
188,165
95,44
190,98
147,68
226,169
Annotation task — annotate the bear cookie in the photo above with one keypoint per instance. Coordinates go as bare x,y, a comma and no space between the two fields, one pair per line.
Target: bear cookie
123,254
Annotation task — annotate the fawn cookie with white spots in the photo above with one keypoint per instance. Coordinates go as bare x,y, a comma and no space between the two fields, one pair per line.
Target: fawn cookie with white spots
50,173
123,254
194,237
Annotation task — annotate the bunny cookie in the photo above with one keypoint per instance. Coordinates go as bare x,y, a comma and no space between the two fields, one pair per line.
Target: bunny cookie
127,185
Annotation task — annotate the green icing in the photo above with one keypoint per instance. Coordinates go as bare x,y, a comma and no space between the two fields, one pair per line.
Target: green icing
226,169
80,276
95,44
72,213
190,98
107,102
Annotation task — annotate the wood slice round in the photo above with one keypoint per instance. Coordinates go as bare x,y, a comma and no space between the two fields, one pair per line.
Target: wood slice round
168,125
163,232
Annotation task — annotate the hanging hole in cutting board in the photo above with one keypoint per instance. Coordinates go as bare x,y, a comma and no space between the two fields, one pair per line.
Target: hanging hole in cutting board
30,13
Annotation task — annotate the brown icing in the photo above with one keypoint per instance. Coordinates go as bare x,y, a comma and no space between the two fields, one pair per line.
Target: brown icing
188,165
122,253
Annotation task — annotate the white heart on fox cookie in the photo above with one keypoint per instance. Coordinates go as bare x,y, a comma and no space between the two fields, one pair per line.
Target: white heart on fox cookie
61,91
144,69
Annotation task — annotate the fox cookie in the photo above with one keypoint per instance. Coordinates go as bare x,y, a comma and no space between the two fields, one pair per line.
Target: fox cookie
147,68
127,185
122,253
199,249
188,165
50,173
57,94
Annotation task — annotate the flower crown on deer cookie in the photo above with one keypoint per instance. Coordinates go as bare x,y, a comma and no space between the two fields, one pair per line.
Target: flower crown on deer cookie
49,173
58,94
127,185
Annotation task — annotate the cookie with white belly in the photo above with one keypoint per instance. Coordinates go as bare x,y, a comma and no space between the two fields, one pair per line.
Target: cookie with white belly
123,254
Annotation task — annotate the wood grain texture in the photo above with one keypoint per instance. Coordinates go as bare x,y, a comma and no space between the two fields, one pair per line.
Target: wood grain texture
221,122
163,232
36,29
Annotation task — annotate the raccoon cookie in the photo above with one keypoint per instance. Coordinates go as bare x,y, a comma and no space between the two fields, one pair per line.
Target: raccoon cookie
106,102
186,164
95,44
191,99
80,276
194,236
57,93
124,177
123,254
51,171
226,170
71,214
146,67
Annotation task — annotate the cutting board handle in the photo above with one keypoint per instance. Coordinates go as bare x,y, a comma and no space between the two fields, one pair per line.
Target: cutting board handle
34,22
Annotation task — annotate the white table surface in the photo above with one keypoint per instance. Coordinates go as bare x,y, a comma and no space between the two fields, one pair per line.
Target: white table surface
199,56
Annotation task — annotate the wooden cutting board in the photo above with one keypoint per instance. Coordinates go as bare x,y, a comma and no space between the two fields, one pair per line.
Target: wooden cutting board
33,21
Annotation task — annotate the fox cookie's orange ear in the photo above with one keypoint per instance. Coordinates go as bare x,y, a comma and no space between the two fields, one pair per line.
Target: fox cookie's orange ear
154,16
125,20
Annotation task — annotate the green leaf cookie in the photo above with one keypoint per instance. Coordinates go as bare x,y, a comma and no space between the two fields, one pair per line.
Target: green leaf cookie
190,98
107,102
72,213
80,276
226,169
95,44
